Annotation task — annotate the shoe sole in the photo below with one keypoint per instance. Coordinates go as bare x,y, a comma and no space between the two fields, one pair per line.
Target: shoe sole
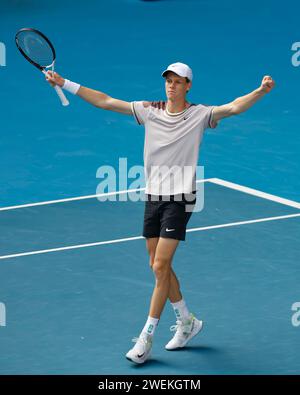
180,347
138,362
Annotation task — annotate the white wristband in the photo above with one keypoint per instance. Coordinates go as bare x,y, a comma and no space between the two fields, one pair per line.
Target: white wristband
71,87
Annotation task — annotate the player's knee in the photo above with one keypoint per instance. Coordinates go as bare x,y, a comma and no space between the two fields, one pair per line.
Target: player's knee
161,267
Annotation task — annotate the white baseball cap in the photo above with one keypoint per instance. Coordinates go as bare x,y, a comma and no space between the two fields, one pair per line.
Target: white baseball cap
181,69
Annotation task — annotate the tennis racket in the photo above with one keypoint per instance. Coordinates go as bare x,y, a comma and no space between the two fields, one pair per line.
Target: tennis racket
38,50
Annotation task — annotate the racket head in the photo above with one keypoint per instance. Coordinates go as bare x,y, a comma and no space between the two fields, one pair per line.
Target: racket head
35,47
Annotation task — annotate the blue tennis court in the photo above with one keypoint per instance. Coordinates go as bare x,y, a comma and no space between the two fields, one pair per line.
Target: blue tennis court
75,281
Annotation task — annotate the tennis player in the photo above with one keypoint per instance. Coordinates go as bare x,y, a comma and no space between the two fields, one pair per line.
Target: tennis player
174,131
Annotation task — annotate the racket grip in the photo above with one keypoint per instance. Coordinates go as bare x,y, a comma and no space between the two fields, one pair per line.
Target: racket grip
61,95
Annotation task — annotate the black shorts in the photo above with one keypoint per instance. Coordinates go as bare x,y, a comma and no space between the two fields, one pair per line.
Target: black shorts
167,218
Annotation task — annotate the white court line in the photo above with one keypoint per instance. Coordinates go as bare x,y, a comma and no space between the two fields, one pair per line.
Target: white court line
80,198
141,237
218,181
255,192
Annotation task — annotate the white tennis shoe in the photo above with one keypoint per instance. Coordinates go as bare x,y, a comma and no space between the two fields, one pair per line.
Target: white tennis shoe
185,331
141,351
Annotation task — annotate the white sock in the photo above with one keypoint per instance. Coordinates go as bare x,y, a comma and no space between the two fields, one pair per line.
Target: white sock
181,311
150,326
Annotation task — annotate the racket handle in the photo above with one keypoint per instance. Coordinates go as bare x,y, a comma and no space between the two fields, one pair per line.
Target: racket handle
61,95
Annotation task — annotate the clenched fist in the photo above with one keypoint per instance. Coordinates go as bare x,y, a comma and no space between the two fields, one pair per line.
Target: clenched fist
267,84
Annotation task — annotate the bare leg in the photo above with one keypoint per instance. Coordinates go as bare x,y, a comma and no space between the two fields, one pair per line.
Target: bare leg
162,269
174,290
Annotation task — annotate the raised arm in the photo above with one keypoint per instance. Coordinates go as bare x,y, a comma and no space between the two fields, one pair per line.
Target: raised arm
96,98
243,103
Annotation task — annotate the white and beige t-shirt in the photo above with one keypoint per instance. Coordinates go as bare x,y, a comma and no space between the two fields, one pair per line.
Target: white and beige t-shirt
171,146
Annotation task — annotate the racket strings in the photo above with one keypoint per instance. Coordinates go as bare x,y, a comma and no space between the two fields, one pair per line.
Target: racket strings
36,48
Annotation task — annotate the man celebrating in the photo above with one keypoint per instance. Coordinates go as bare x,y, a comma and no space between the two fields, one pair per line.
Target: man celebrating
174,131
